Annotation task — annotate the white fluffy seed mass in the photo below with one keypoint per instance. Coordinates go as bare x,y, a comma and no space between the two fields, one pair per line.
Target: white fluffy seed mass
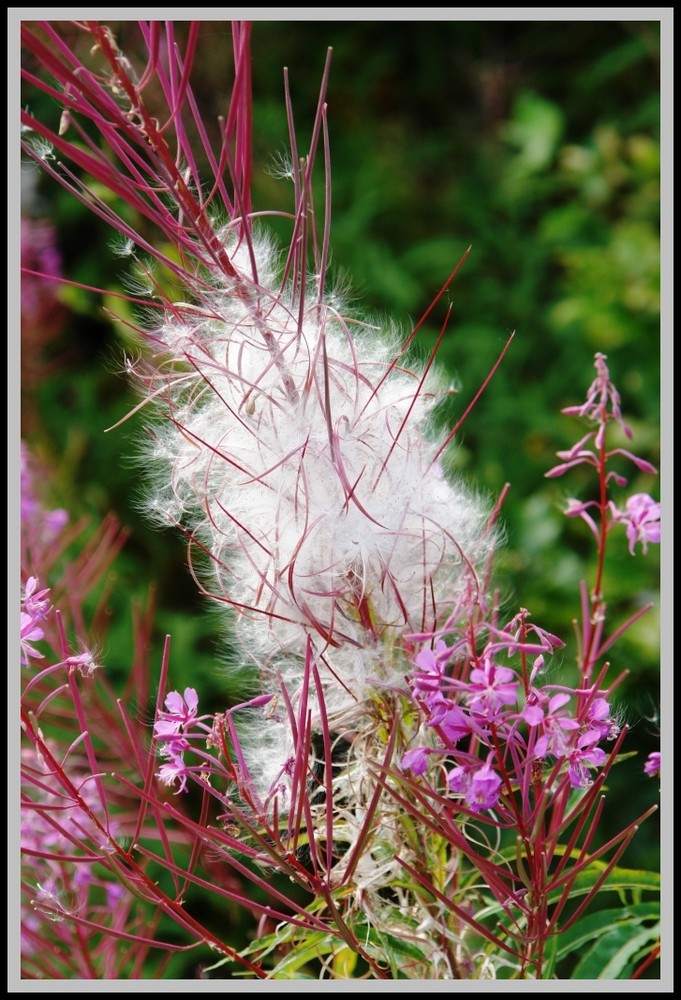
302,458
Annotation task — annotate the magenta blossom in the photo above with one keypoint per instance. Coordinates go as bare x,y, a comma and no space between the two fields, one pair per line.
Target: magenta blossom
174,770
171,729
452,722
558,724
480,786
490,688
642,520
652,765
181,712
416,760
599,717
35,602
30,633
584,754
430,674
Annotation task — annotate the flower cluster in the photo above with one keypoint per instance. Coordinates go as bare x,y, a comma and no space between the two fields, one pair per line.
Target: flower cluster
172,730
492,722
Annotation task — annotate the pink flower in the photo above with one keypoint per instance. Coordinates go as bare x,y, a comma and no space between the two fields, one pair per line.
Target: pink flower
585,753
599,717
452,722
170,728
181,712
490,688
642,520
416,760
35,607
484,788
557,725
35,602
174,770
652,765
429,675
30,633
480,787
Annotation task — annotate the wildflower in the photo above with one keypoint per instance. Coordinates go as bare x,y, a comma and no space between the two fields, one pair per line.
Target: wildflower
294,445
172,729
584,754
485,787
310,482
557,724
480,786
85,662
416,760
301,460
430,670
490,688
652,765
454,723
599,718
602,406
642,520
35,603
30,633
181,712
175,770
35,607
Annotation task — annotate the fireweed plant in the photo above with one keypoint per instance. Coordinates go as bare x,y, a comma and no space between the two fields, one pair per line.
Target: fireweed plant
410,790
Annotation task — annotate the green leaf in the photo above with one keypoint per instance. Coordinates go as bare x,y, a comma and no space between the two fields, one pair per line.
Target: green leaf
597,924
611,954
313,947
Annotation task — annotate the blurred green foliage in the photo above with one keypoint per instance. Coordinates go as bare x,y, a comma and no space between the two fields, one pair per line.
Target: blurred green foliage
534,143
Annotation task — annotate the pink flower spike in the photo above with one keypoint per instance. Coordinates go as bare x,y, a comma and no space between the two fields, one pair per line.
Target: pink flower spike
602,399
